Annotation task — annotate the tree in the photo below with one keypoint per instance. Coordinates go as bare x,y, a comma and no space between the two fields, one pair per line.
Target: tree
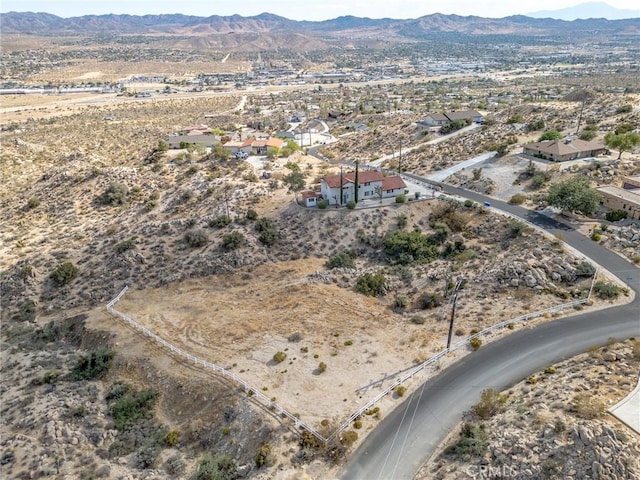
575,195
550,135
64,273
295,182
623,142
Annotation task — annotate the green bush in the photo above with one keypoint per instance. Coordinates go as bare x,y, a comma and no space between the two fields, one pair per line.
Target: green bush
475,343
427,301
264,457
172,437
132,408
64,273
218,467
93,365
115,194
232,241
251,215
340,260
351,204
373,285
616,215
323,204
587,406
517,199
348,438
400,390
279,357
125,245
417,320
322,367
406,248
196,238
219,221
585,269
473,440
401,199
32,203
606,290
491,402
27,311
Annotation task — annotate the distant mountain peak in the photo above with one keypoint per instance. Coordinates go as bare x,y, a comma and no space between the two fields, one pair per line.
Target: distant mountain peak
585,11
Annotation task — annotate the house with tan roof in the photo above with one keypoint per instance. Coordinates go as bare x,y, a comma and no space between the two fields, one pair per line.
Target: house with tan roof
445,118
626,198
565,149
372,184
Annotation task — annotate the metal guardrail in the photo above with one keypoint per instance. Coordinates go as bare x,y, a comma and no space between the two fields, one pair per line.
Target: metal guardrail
299,424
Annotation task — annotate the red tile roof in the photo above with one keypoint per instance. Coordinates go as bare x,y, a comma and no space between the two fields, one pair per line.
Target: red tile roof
366,176
309,194
393,183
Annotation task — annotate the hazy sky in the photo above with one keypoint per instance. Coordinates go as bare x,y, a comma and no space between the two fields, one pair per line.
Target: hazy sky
298,9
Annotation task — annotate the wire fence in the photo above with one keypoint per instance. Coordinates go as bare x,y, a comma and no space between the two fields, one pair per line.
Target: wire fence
299,424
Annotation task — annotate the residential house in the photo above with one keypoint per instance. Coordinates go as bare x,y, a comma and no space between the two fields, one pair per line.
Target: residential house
372,184
235,146
441,119
309,198
208,140
565,149
626,198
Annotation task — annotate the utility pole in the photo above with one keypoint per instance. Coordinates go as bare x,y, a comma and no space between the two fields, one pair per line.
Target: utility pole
400,160
453,311
580,117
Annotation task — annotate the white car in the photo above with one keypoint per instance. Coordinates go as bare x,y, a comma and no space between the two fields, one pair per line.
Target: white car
241,155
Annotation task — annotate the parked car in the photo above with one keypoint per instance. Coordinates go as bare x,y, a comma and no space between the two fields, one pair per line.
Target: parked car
241,155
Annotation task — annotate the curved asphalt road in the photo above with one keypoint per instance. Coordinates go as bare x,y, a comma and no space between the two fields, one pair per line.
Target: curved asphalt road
408,436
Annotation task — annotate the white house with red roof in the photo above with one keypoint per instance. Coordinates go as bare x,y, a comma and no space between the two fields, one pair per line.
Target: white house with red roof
372,184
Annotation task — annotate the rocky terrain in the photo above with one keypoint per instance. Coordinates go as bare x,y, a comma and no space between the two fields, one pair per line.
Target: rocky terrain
552,425
227,266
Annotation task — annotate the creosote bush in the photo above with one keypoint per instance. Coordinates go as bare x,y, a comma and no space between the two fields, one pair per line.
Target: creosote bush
491,402
64,273
340,260
606,290
279,357
475,343
93,365
371,284
115,194
474,440
232,241
196,238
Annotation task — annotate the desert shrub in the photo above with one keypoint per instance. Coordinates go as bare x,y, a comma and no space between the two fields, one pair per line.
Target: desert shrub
587,135
406,248
516,228
401,222
251,214
624,109
371,284
27,311
175,465
93,365
427,301
132,407
585,269
172,437
268,237
606,290
351,204
115,194
491,402
417,320
473,440
587,406
340,260
264,457
279,357
323,204
295,337
357,424
196,238
535,125
64,273
400,302
322,367
232,241
401,199
449,212
124,245
145,458
616,215
32,203
550,370
517,199
220,221
400,390
218,467
475,343
348,438
595,236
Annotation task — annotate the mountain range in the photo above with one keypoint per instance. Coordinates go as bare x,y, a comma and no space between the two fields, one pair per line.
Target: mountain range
587,10
346,26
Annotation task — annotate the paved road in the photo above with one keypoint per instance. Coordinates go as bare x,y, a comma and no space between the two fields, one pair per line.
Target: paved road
407,437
